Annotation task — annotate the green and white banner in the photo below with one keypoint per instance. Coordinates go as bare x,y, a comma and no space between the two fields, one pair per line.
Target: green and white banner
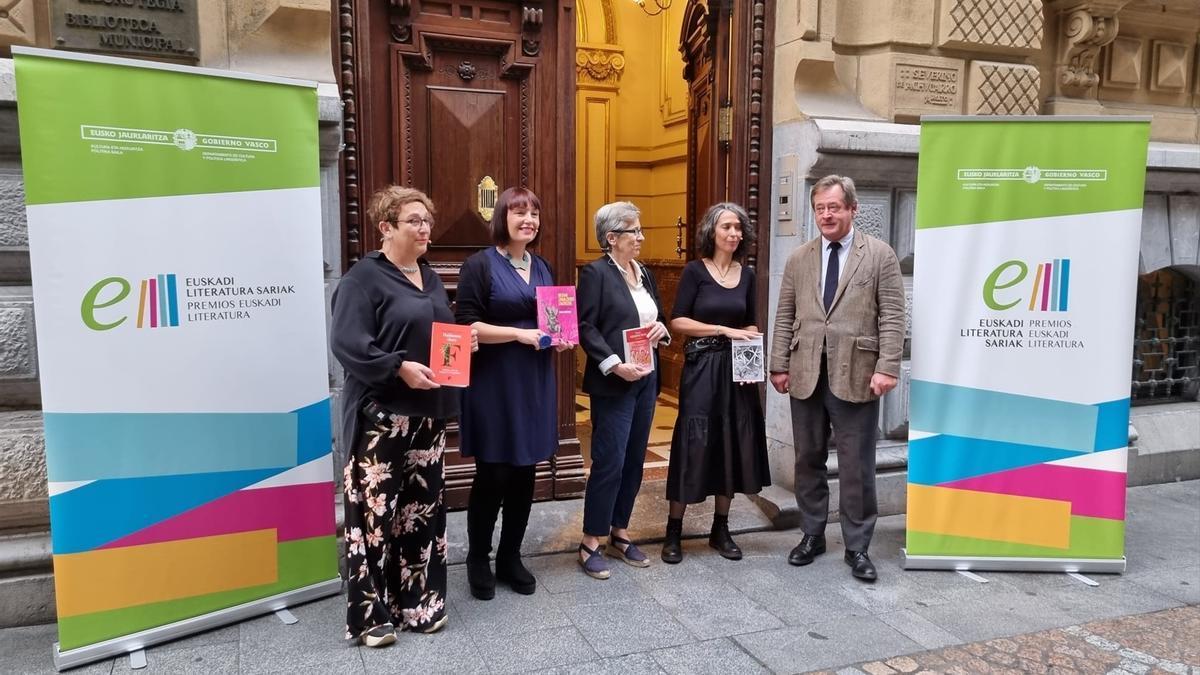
1028,231
175,245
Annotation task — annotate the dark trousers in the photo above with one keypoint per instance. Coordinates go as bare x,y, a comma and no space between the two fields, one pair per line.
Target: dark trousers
620,430
496,486
854,427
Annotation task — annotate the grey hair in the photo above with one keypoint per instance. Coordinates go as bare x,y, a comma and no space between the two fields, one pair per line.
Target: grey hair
611,217
834,180
706,234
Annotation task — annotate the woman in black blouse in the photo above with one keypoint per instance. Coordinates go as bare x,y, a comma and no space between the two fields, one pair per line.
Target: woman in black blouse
394,423
719,446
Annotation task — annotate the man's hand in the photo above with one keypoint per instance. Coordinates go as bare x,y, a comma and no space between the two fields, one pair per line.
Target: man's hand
417,376
882,384
780,382
629,372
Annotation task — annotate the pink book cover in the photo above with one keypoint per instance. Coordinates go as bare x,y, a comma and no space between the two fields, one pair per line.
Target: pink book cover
638,350
557,315
450,354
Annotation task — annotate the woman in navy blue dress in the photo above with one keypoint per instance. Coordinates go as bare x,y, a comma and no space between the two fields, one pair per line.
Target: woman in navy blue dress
509,418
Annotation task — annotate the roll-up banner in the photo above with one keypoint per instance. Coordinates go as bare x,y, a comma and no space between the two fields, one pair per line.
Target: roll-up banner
175,247
1024,288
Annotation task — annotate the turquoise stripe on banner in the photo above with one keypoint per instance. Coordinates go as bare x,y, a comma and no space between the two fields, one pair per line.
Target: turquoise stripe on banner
941,459
1013,418
95,446
98,513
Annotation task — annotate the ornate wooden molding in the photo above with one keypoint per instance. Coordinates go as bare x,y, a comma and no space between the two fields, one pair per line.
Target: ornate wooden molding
1084,27
599,66
754,155
351,195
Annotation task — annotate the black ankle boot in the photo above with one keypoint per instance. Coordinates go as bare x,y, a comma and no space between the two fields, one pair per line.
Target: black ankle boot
512,571
719,539
480,577
672,550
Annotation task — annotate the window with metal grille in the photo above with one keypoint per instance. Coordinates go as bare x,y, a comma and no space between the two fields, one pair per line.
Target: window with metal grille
1166,341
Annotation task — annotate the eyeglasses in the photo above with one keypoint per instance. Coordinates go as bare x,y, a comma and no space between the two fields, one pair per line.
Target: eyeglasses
415,221
635,231
831,209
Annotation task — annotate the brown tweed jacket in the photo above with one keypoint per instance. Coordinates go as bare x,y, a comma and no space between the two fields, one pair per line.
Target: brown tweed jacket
862,334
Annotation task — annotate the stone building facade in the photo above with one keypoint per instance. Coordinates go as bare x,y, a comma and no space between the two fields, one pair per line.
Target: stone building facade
850,80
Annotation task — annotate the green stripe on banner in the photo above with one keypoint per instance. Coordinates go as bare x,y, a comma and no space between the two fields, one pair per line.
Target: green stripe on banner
1098,538
131,132
1005,180
301,563
96,446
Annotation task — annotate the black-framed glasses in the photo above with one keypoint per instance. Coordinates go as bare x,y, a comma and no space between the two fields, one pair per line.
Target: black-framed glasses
635,231
415,221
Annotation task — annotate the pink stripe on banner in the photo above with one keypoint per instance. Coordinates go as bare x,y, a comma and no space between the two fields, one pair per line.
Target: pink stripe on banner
295,511
1046,287
153,302
1098,494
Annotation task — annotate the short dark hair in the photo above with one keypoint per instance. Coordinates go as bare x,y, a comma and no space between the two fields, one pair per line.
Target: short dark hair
513,198
706,234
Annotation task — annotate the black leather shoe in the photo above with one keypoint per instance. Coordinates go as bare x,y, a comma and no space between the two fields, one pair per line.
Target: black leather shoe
672,548
719,539
511,571
480,577
807,550
861,566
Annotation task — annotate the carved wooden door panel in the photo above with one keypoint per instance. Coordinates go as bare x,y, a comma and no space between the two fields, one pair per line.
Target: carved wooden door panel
446,95
726,46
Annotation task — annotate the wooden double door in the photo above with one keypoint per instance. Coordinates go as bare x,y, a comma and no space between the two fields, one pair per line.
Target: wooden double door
464,98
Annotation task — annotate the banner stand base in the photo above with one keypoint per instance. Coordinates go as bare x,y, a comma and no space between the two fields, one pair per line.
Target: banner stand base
173,631
997,564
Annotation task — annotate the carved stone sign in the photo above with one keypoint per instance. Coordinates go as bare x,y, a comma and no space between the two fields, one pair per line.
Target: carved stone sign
920,86
159,28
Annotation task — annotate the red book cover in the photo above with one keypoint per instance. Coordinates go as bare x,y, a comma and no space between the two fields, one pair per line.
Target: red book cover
557,316
638,350
450,354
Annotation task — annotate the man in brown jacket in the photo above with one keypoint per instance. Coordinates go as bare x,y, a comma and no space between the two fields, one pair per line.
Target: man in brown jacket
836,348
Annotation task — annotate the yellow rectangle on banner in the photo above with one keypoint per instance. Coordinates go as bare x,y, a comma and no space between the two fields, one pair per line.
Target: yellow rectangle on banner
985,515
106,579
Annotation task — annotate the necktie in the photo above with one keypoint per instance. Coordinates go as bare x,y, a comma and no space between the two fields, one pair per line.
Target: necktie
831,274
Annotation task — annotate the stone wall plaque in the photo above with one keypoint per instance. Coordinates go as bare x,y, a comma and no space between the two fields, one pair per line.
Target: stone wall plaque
925,88
166,29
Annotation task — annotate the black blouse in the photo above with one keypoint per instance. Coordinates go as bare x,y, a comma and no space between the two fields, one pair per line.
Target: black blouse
380,319
701,298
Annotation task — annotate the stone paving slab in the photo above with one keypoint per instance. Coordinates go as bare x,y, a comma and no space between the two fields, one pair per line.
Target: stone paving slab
758,614
1159,642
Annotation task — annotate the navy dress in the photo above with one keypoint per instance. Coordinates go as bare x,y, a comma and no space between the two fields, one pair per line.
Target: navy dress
510,412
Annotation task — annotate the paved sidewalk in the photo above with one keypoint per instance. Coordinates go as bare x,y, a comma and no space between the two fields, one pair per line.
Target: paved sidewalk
709,615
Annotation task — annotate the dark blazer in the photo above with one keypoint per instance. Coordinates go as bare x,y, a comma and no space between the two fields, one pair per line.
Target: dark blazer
605,309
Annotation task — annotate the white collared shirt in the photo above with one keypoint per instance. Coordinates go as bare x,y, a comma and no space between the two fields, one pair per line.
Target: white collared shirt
843,254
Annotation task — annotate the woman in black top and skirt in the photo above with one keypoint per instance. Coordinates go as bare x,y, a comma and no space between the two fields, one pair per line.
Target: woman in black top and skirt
509,418
719,446
394,423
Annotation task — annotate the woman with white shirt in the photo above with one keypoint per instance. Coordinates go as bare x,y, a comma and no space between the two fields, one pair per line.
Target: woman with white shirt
616,293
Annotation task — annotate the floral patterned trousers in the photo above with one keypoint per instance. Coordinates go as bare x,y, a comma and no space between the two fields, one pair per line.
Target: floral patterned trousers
396,526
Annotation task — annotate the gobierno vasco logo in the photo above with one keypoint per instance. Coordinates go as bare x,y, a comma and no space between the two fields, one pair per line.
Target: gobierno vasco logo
1049,179
1008,286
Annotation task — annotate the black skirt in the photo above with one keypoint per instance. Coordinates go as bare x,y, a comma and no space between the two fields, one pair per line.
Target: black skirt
720,444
